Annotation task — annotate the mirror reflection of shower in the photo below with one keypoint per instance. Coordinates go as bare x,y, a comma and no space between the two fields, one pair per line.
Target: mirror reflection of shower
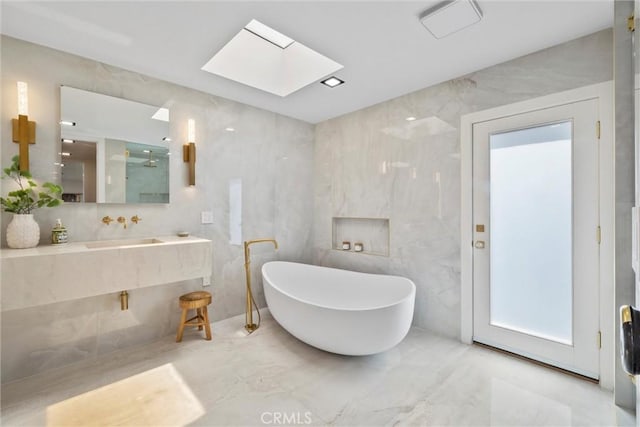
150,163
126,172
147,174
129,141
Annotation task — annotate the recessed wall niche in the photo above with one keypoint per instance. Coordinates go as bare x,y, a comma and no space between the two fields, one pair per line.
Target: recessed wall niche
371,233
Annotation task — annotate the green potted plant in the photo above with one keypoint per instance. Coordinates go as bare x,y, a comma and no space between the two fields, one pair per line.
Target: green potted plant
23,231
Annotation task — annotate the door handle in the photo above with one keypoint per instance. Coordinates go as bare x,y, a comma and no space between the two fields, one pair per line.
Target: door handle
630,339
479,244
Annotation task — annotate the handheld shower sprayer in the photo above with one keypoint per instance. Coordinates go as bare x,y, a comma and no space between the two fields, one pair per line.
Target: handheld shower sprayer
251,302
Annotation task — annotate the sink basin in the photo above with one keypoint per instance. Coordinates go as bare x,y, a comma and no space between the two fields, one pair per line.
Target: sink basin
121,243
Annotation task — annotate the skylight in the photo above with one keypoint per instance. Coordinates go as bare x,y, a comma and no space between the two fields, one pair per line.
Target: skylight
265,59
162,114
269,34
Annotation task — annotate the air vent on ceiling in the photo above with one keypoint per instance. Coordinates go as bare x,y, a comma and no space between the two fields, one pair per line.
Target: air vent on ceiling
449,17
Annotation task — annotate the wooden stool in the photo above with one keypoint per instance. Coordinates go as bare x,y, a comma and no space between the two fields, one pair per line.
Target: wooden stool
197,301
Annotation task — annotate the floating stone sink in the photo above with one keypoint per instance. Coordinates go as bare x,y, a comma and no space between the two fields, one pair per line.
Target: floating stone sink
54,273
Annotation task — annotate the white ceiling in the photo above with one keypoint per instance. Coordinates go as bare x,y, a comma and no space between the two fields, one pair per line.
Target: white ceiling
385,50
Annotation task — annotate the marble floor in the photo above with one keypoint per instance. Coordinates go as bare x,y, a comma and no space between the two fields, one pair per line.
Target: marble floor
270,378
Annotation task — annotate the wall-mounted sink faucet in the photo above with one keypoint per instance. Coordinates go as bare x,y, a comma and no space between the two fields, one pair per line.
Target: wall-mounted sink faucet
122,220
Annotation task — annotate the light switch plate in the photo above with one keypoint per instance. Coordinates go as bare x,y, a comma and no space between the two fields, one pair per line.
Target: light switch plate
206,217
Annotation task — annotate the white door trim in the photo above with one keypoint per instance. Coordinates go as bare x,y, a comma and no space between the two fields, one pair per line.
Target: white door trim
603,92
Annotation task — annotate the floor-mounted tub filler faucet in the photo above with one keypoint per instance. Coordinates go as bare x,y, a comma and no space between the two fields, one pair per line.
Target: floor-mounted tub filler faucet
251,302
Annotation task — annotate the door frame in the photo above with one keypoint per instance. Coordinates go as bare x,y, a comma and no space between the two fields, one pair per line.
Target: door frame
604,93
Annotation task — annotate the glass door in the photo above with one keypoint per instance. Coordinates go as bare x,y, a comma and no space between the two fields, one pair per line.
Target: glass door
531,228
536,254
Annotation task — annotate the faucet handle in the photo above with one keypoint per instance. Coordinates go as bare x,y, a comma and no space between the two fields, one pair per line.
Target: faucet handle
122,220
135,219
107,219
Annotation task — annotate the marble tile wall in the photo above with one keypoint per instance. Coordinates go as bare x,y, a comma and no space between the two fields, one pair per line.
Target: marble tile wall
625,183
270,153
374,163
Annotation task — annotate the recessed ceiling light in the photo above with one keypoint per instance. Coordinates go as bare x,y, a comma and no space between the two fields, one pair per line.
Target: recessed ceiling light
449,17
68,141
146,151
410,118
332,81
166,139
65,154
269,34
67,123
230,129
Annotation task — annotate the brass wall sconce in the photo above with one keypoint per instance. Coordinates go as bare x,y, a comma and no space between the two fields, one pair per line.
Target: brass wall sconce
189,151
24,131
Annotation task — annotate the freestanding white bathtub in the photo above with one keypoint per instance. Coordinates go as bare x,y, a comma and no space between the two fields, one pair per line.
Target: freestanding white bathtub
340,311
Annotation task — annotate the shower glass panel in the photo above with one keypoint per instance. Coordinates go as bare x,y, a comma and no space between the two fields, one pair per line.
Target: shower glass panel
531,225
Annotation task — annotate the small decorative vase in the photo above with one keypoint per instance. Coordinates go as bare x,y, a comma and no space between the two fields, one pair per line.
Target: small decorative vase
23,232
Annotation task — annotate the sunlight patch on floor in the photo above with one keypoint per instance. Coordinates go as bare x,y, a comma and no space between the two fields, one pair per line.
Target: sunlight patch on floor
159,396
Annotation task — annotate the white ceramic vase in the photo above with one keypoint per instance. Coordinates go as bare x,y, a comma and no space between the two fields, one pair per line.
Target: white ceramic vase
23,232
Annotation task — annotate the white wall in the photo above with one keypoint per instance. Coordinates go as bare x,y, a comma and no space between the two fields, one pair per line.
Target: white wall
625,186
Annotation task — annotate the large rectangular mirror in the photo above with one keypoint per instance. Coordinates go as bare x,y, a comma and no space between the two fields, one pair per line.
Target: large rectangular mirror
113,150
